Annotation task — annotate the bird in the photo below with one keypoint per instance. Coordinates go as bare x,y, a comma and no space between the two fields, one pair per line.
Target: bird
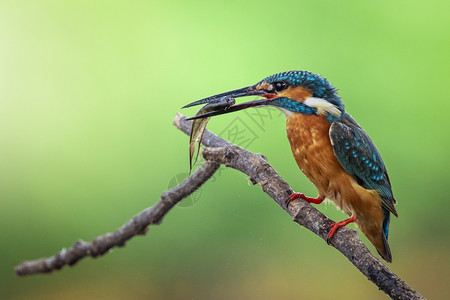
329,147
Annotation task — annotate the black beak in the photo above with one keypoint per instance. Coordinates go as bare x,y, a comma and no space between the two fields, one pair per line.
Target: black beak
247,91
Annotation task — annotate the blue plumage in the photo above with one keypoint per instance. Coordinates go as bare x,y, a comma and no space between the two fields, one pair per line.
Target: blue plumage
319,86
294,106
360,158
358,155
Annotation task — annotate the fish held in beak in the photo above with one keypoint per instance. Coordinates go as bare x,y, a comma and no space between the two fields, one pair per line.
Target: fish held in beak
217,105
199,125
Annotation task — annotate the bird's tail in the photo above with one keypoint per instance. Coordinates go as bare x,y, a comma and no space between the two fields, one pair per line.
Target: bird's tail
378,235
385,251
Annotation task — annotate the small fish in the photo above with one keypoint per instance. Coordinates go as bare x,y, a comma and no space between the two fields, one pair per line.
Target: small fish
199,125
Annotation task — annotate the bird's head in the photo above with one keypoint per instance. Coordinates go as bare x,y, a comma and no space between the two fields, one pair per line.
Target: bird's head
293,92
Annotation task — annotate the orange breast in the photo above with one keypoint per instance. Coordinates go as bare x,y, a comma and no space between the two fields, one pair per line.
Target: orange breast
313,152
311,146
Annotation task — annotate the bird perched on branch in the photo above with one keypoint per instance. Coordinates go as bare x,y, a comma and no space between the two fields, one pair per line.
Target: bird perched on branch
330,148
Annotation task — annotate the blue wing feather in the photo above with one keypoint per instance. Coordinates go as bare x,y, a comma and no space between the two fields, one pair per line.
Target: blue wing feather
358,155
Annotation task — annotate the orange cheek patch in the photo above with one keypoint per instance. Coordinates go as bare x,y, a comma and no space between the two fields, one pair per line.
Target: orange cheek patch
263,86
296,93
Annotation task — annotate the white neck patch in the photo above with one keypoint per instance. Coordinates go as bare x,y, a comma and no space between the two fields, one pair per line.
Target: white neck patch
323,106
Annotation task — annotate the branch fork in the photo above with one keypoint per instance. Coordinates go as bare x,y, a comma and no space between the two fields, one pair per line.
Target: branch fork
220,151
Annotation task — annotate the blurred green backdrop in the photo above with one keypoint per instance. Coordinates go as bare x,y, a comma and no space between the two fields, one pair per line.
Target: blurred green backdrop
88,92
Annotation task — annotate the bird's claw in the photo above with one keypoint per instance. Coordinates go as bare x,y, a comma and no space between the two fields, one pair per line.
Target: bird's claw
292,197
310,200
337,225
331,233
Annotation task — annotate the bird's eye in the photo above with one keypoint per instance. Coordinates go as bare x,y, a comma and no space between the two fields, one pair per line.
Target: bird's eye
279,86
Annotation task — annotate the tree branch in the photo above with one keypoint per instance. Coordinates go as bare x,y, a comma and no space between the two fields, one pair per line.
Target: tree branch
136,226
345,240
256,167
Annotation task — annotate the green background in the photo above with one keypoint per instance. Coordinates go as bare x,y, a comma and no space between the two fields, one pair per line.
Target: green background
88,92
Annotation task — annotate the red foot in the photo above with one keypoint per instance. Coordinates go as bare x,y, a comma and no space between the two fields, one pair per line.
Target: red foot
337,225
294,196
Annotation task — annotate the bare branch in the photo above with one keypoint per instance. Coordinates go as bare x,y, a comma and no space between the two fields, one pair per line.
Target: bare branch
136,226
256,167
345,240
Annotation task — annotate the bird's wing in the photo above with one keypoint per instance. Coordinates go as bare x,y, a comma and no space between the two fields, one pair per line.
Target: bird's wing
358,155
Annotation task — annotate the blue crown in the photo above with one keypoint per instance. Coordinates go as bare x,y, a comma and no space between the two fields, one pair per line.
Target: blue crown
319,86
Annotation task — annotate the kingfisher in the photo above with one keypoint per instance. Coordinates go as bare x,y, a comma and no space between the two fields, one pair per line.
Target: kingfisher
330,148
